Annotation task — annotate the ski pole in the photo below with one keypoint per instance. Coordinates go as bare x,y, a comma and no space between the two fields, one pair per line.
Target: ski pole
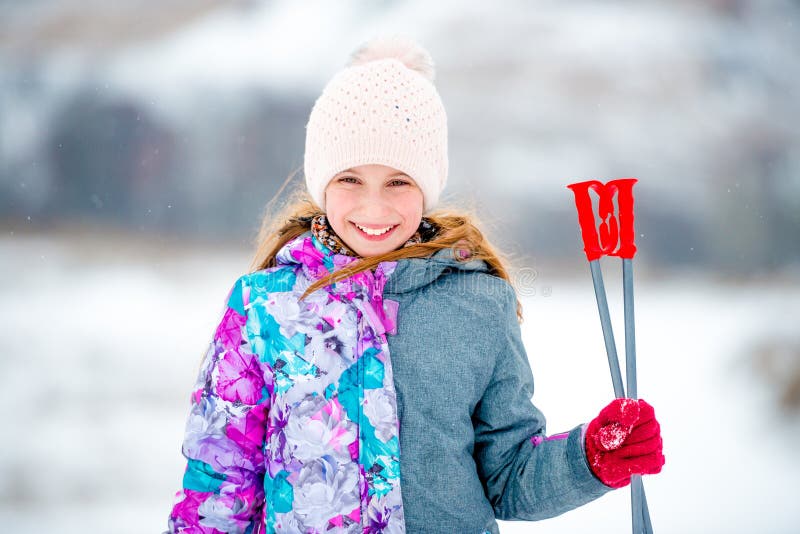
614,239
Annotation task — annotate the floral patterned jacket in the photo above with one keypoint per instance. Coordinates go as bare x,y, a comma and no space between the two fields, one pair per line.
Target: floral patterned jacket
351,411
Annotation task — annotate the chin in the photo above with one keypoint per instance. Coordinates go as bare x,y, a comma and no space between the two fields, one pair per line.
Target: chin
366,253
375,250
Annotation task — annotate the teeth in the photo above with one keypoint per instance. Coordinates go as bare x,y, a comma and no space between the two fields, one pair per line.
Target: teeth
370,231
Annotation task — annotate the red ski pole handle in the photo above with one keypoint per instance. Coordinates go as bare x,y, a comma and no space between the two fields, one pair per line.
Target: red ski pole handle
615,235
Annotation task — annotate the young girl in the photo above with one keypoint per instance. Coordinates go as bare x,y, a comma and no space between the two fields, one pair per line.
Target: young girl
369,375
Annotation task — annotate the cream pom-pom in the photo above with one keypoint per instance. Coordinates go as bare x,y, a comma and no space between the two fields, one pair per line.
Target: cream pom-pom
402,48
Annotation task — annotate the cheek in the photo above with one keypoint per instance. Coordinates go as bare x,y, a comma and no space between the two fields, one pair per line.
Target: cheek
335,202
411,205
337,206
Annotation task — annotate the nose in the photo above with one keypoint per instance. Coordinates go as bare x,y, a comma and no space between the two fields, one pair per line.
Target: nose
376,202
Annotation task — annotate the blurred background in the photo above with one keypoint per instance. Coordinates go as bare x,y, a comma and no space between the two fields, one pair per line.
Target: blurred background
141,142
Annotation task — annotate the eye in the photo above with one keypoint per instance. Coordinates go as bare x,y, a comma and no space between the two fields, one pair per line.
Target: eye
399,181
346,179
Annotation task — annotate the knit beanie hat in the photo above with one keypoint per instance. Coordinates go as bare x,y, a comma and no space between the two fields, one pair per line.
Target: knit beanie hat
382,108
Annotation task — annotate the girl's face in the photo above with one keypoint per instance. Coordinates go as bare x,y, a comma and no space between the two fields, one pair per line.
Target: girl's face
373,208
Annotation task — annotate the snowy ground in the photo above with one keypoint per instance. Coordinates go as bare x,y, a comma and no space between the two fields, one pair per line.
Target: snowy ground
102,339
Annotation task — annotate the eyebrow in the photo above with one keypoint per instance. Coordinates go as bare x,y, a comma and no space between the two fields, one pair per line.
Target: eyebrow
356,172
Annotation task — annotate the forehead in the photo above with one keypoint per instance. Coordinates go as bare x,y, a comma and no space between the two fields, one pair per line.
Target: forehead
373,170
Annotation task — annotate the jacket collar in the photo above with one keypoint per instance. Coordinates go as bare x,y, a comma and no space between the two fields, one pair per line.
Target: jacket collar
366,289
401,276
306,254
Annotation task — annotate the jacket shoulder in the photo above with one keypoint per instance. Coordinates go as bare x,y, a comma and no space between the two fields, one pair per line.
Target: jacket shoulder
476,284
488,295
250,287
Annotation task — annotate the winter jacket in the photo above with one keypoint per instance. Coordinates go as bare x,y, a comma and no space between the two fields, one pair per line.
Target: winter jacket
393,401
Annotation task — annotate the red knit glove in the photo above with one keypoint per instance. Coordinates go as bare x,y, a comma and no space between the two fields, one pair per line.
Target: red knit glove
624,440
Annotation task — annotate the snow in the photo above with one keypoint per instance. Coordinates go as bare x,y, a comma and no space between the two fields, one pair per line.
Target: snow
103,336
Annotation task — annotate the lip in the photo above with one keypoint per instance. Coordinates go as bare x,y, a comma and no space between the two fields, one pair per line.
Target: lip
374,237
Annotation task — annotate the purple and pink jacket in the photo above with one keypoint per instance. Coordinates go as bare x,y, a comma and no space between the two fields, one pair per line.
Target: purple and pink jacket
394,401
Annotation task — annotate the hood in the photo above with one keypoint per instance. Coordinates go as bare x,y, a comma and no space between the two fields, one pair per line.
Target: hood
412,273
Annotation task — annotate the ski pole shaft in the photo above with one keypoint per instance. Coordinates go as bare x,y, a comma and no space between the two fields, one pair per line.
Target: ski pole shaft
608,333
641,515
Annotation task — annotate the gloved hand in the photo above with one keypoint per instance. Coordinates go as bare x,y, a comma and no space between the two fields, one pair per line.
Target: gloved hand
624,440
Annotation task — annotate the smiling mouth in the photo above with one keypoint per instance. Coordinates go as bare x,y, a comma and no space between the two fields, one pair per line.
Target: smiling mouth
375,232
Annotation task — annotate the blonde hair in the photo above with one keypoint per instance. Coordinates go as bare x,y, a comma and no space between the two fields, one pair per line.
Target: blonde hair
458,229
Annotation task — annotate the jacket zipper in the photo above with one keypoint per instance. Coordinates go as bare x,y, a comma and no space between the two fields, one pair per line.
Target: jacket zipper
362,479
360,441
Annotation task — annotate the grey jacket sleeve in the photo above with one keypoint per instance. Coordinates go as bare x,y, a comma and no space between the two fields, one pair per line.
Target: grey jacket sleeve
524,480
